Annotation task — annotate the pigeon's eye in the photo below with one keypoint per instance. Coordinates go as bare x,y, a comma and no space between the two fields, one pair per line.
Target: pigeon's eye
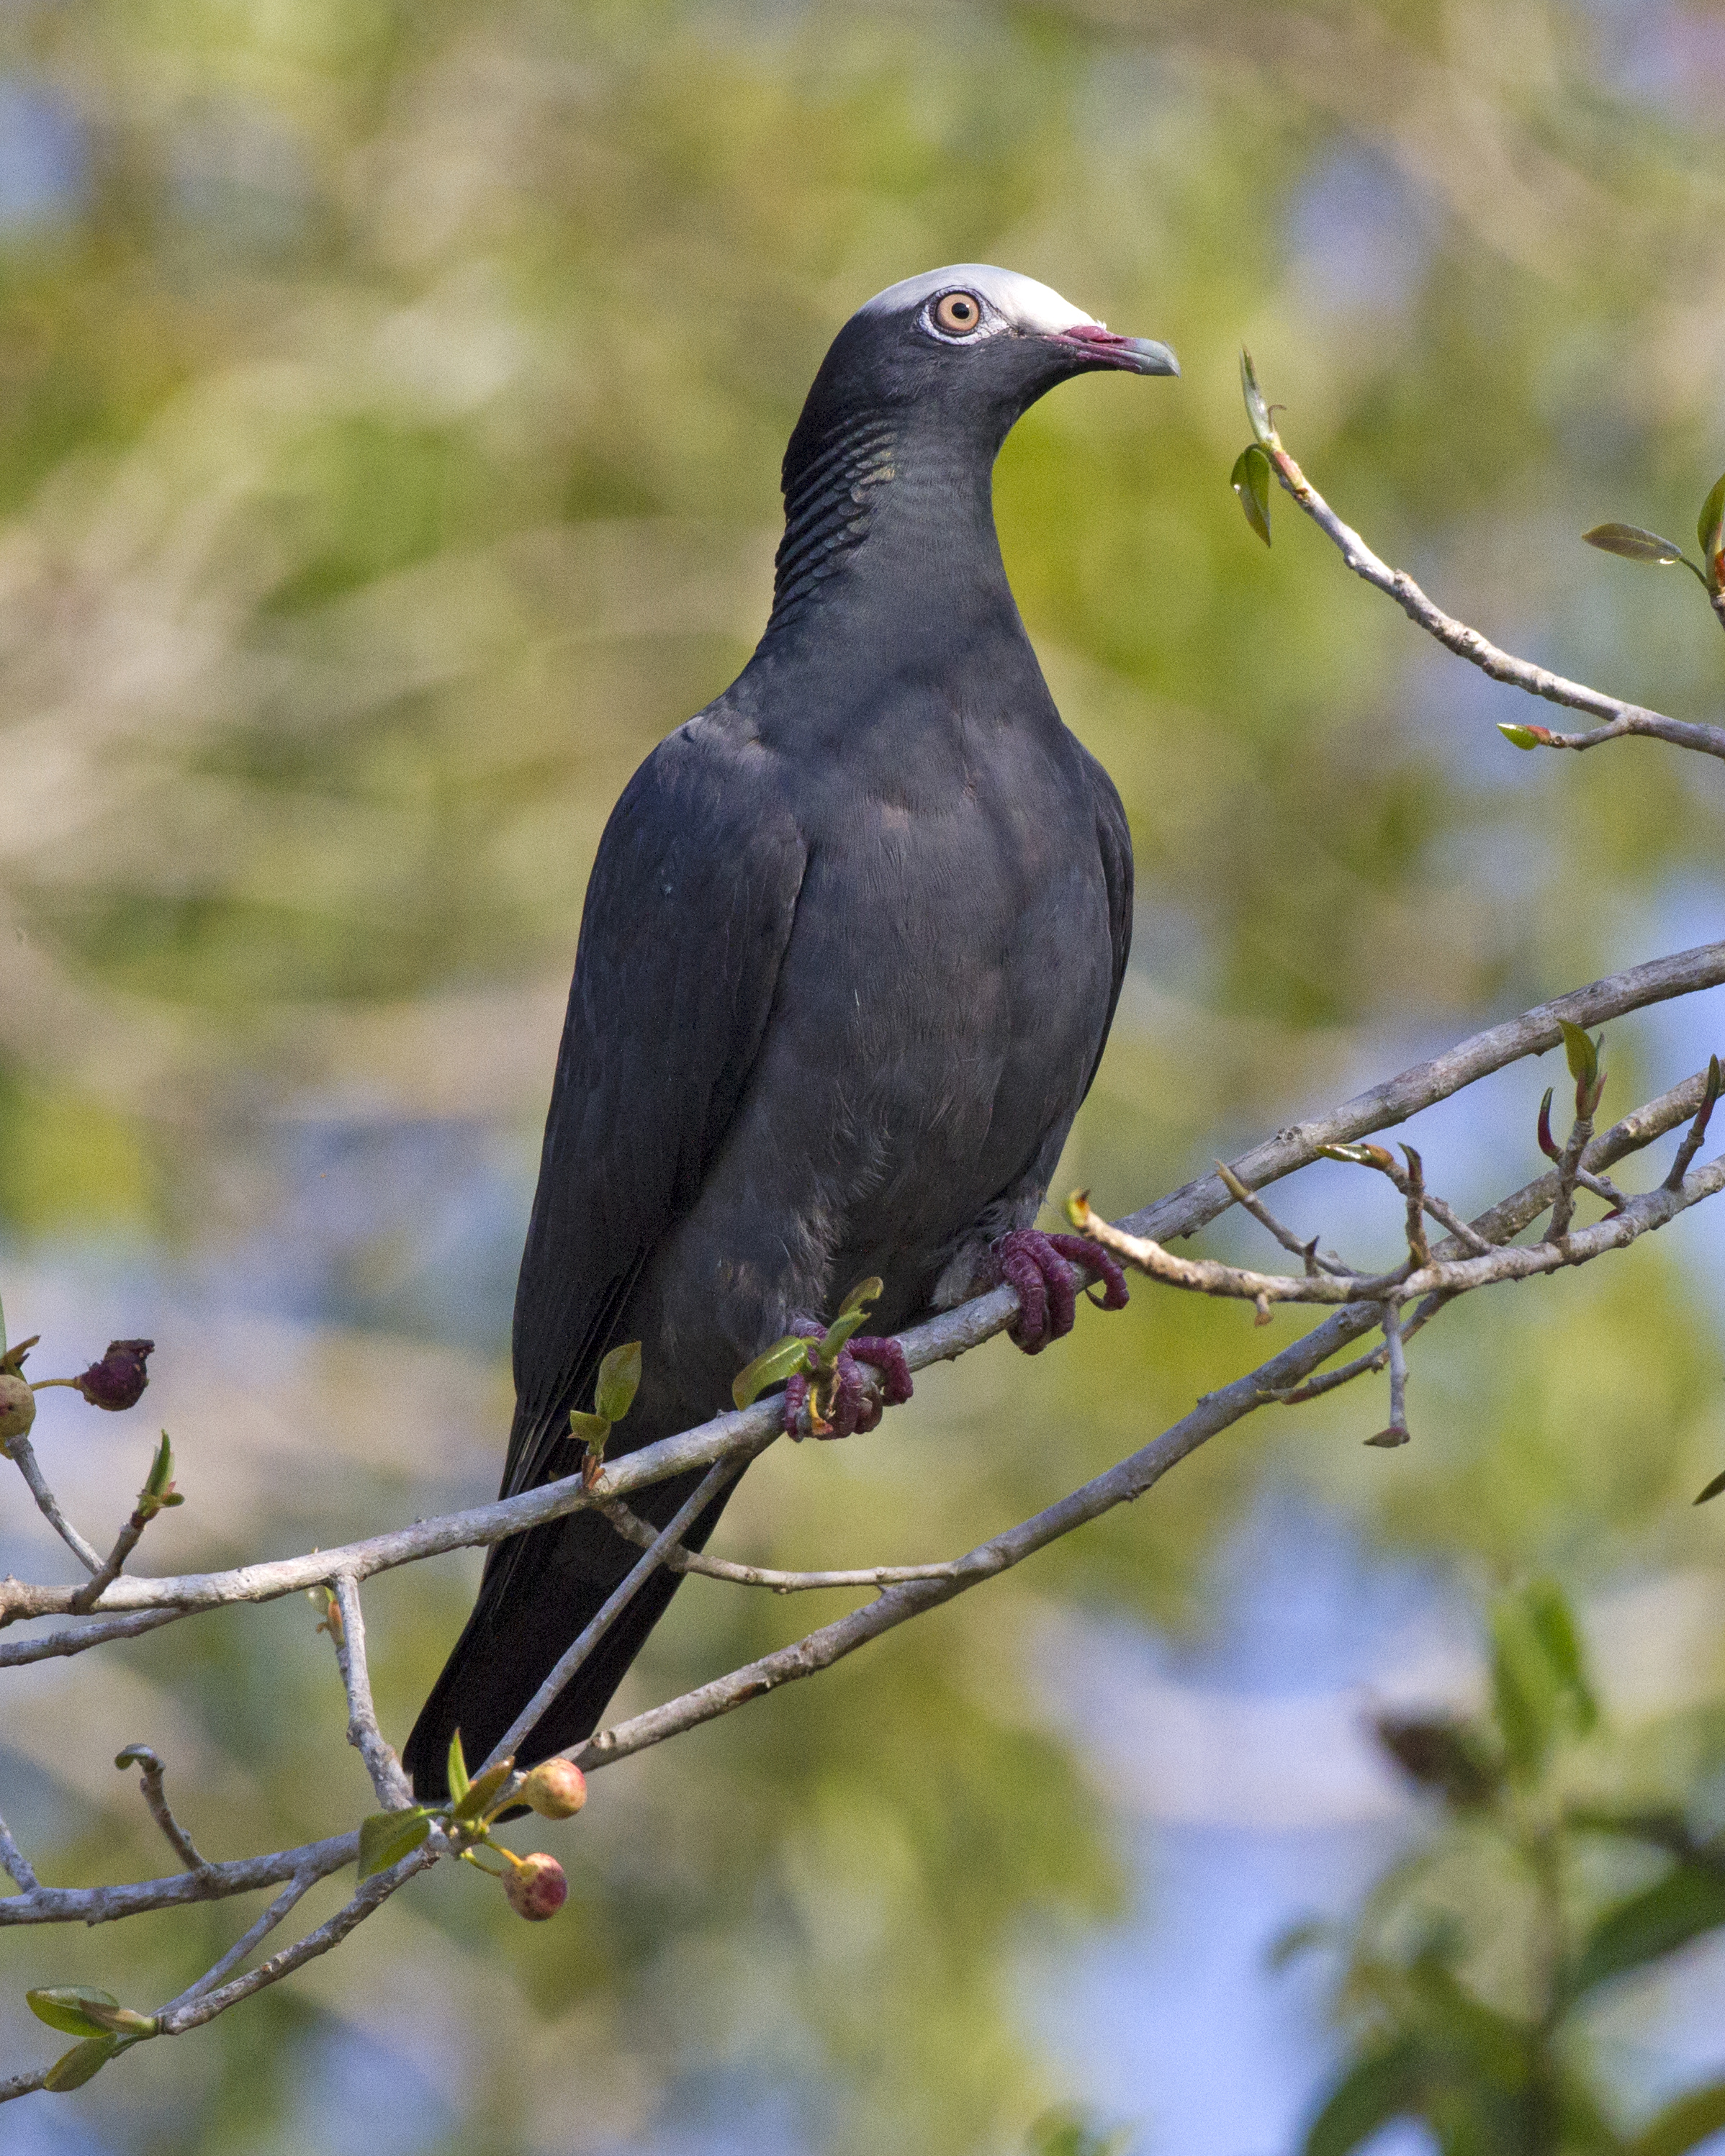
957,313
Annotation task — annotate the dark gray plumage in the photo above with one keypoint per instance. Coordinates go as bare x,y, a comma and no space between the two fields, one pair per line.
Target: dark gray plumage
851,948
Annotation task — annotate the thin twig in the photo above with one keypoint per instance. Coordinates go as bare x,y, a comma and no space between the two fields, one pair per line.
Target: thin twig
1446,1216
200,2004
151,1782
943,1338
394,1790
1423,1084
1698,1129
1122,1483
1396,1432
1129,1479
1621,717
125,1543
570,1661
248,1940
21,1450
45,1646
643,1533
1308,1252
106,1905
376,1890
1408,1283
16,1863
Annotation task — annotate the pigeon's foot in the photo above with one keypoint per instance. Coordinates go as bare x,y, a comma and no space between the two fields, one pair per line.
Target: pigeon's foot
844,1402
1037,1265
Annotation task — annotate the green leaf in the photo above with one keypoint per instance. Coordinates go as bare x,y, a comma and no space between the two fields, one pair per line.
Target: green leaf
619,1381
590,1430
853,1316
782,1360
1070,2132
1521,736
1688,1901
1582,1052
386,1837
158,1494
481,1790
1707,530
63,2006
1251,480
1633,544
1382,2086
1683,2125
1524,1689
1712,1490
81,2063
1257,411
1553,1626
456,1769
1498,2050
161,1478
863,1297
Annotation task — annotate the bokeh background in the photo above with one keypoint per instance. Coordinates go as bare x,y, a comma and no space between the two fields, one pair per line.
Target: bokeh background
391,403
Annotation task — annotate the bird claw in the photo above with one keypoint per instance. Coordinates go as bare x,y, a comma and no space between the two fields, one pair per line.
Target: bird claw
843,1401
1040,1267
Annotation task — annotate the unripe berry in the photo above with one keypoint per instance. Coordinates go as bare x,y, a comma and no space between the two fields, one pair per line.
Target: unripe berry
18,1406
557,1788
536,1887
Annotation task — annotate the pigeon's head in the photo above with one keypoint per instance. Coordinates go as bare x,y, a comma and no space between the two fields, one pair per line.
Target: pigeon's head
890,460
967,350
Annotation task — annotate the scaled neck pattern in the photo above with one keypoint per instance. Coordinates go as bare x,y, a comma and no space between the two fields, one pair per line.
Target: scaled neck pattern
830,506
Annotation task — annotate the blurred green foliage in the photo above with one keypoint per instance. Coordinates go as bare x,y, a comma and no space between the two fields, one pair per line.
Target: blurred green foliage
1561,1867
392,404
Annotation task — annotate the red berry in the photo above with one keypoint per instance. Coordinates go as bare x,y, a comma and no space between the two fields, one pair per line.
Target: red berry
536,1887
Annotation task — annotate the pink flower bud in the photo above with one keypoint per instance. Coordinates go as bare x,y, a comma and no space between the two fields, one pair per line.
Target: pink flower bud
536,1887
557,1788
119,1380
18,1406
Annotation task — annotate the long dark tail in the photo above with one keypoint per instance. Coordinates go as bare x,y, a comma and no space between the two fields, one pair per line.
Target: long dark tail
538,1594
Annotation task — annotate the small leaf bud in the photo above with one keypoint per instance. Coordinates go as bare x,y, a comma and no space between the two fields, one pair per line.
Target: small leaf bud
17,1407
117,1382
536,1887
557,1788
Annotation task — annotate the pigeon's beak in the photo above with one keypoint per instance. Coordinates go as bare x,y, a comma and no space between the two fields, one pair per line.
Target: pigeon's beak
1097,347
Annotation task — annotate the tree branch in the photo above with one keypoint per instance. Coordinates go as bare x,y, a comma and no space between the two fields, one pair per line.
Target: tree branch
722,1472
15,1861
943,1338
1272,1381
106,1905
1621,717
1408,1283
248,1941
23,1452
642,1534
394,1790
155,1795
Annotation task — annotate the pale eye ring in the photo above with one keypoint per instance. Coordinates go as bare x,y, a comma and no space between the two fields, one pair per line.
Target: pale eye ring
957,314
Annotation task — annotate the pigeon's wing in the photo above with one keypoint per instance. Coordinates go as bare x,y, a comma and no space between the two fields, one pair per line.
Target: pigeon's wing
687,913
1114,842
